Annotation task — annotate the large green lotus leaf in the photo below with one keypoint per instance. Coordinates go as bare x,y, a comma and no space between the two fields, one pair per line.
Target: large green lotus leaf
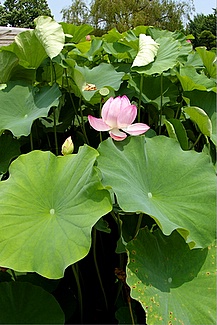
21,104
27,75
118,50
77,32
96,76
50,34
155,176
8,61
175,285
166,58
24,303
194,60
191,80
47,209
184,47
208,58
87,50
9,149
28,49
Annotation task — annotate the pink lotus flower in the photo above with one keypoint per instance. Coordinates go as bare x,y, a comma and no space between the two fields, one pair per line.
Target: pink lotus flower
117,116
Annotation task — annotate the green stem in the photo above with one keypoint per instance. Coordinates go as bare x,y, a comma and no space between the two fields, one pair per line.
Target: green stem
196,142
82,123
131,311
14,275
74,107
55,130
48,140
138,224
114,216
140,97
178,111
51,73
31,141
161,102
80,299
97,268
117,220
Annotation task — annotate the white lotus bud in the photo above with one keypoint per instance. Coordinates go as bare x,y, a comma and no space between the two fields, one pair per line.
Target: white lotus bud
67,147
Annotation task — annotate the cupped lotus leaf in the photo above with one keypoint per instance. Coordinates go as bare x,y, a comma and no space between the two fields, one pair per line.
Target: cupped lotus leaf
184,47
76,32
50,34
104,75
199,116
194,60
118,50
9,149
165,59
209,60
21,104
48,207
169,279
155,176
28,49
147,51
88,50
24,303
190,79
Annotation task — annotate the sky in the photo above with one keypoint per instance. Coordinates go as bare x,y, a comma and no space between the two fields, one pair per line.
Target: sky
201,6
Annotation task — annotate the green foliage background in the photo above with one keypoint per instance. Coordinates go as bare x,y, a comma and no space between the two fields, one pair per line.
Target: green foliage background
154,195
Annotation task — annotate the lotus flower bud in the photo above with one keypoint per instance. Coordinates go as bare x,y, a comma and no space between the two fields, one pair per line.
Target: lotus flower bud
67,147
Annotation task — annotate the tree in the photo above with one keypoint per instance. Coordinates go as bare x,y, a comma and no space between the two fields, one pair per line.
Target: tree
201,23
104,15
21,13
3,21
206,38
77,13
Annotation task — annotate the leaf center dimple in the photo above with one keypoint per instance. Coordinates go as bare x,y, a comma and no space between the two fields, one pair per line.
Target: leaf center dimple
149,195
52,211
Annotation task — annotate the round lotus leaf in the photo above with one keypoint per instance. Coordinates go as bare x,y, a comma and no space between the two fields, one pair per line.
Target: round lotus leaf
48,207
24,303
21,104
155,176
169,279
